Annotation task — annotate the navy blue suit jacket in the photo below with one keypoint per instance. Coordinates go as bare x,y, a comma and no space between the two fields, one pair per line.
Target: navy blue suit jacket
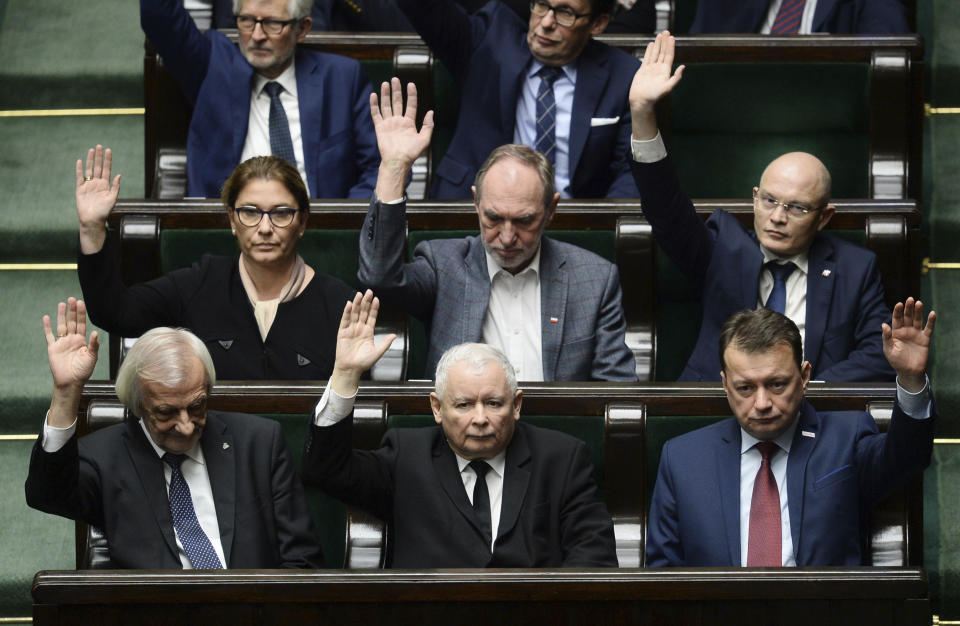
834,480
845,305
339,144
487,54
845,17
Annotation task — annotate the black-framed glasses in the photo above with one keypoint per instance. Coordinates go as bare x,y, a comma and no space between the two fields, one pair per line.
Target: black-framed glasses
769,203
565,16
271,26
281,217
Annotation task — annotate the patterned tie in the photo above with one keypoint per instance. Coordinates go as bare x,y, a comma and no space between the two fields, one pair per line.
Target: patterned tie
547,112
481,498
195,542
778,295
788,18
765,547
280,143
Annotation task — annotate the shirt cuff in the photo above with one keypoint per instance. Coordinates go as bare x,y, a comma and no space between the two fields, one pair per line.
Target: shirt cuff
916,405
648,150
399,200
55,438
332,408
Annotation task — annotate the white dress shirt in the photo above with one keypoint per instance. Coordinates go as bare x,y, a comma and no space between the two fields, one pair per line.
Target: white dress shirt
333,407
194,470
525,131
806,21
915,405
257,142
512,321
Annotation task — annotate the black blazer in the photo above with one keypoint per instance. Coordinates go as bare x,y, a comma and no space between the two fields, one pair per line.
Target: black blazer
550,515
113,479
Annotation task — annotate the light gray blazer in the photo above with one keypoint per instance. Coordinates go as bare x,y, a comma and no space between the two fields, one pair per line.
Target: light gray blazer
447,287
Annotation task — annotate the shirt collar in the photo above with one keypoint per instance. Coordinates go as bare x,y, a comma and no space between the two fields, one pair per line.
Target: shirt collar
287,80
748,441
195,453
800,260
497,463
569,70
493,268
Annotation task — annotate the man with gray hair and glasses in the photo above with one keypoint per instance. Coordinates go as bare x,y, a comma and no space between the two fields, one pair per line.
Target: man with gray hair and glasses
180,487
828,287
480,489
264,96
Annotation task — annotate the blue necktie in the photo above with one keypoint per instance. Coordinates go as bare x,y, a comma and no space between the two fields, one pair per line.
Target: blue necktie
481,498
778,295
195,542
280,143
547,112
787,21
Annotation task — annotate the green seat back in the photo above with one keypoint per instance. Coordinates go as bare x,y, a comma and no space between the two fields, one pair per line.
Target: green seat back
334,252
679,312
728,120
602,243
378,71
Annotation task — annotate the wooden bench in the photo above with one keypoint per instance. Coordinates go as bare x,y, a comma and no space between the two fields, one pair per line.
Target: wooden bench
889,228
625,426
866,122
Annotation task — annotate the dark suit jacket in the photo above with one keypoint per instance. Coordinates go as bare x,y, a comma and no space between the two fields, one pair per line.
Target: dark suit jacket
834,479
113,479
339,145
845,305
549,516
487,53
448,287
865,17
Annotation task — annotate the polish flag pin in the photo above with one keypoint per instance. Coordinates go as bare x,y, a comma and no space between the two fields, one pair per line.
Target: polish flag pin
554,320
807,433
826,273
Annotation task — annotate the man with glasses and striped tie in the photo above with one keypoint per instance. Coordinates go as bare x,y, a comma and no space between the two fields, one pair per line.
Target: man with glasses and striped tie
179,487
828,287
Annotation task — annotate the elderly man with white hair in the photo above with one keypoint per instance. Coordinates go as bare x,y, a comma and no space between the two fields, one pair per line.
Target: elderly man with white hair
481,489
180,487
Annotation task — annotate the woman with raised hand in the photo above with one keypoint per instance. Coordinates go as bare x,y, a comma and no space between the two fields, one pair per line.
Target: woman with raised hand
266,315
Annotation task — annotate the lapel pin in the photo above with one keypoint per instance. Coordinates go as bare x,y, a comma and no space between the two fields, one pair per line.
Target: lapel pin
807,433
554,320
826,273
225,445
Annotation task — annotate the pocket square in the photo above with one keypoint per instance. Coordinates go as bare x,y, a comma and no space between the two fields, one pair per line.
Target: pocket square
603,121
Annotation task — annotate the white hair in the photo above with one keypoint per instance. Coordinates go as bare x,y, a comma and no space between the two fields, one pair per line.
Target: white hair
477,355
298,9
160,355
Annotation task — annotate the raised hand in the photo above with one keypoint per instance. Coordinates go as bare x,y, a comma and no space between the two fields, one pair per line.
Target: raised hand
71,357
356,350
96,197
398,140
653,80
906,343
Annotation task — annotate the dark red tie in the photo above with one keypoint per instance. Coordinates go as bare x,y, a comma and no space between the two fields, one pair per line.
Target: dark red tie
765,548
788,18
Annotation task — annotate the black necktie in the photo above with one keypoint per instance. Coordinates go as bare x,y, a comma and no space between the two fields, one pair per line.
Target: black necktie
481,498
280,143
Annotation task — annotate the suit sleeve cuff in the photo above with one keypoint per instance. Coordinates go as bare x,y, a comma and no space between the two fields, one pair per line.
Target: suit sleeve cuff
916,405
55,438
332,408
648,150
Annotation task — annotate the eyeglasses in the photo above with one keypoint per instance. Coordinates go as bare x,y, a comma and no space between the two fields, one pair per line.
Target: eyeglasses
281,217
271,26
565,16
768,203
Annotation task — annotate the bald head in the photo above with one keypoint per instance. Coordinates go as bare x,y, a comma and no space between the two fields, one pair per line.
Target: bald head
804,173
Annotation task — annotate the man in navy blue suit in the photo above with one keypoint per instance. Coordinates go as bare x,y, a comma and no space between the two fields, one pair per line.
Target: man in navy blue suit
782,484
828,287
505,67
863,17
265,96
